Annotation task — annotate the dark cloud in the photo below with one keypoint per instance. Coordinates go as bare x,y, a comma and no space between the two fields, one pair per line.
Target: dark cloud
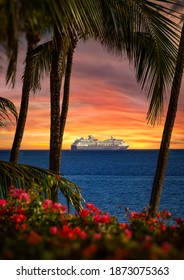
95,65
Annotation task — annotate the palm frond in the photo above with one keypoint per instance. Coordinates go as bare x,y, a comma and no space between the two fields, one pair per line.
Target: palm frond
70,16
38,65
26,176
143,30
12,33
6,106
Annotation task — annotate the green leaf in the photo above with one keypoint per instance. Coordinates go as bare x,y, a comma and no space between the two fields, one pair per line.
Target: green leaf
26,176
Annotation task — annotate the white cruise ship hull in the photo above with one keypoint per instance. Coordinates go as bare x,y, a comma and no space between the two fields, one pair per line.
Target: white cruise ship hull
98,148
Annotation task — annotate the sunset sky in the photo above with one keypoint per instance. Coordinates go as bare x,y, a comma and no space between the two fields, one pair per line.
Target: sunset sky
105,101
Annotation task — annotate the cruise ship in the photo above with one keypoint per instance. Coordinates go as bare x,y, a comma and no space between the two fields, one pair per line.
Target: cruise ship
91,143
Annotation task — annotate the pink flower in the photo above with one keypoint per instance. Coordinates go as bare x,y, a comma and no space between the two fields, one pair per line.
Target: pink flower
132,214
97,236
53,230
59,207
128,233
15,192
19,194
148,238
47,203
2,202
25,196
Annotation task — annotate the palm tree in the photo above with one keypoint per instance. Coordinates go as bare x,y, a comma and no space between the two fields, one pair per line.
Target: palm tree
6,106
59,116
29,22
133,27
167,133
66,88
32,40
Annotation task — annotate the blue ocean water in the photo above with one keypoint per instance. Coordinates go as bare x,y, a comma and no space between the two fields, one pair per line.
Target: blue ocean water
113,180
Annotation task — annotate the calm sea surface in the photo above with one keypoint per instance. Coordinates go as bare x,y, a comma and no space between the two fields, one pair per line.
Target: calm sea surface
113,180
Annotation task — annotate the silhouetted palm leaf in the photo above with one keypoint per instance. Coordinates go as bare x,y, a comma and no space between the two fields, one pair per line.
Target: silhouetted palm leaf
38,64
26,176
6,107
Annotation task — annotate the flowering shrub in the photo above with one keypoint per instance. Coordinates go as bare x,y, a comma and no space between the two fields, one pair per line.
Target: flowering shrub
34,229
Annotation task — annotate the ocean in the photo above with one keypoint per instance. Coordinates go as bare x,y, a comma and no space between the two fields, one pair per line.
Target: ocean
115,180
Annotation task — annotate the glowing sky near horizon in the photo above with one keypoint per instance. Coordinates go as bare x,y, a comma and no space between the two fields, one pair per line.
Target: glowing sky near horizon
105,101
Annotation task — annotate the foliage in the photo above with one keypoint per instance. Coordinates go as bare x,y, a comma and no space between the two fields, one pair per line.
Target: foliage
6,106
31,228
26,176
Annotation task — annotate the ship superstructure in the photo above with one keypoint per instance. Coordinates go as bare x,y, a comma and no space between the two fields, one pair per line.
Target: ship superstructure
91,143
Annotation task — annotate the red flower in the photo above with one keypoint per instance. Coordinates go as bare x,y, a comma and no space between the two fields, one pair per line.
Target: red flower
79,232
179,221
34,238
89,251
102,219
53,230
84,212
162,227
123,226
167,214
166,246
18,218
91,207
2,202
64,231
21,226
158,215
19,210
105,219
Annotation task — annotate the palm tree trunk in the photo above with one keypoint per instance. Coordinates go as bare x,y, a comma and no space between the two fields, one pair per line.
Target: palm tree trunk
31,43
66,91
169,124
55,87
